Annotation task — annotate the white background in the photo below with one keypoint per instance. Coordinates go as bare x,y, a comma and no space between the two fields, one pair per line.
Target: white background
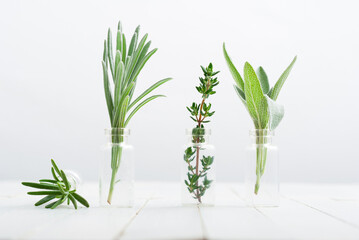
53,106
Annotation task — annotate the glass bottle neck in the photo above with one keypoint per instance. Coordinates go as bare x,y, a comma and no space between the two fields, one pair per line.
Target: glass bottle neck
117,135
198,139
261,136
198,135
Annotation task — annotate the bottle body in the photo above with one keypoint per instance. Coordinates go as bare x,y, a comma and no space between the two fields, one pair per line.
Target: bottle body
198,170
261,170
116,183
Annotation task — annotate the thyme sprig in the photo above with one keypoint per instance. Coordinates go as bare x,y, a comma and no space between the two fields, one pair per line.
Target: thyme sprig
58,188
197,182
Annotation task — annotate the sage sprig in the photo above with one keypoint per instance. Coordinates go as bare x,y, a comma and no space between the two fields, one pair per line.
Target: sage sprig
58,189
260,101
123,65
200,114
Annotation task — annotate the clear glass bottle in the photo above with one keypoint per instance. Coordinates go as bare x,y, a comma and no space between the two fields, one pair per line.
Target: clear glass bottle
261,170
198,169
117,169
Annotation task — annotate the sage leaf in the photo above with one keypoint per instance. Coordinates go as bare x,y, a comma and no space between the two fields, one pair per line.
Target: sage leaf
235,74
278,86
263,80
254,98
240,94
276,113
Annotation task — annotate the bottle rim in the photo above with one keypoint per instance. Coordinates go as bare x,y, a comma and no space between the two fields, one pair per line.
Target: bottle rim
262,132
199,132
117,131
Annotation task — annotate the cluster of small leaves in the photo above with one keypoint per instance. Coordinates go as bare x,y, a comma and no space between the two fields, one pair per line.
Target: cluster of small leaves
199,112
193,186
58,188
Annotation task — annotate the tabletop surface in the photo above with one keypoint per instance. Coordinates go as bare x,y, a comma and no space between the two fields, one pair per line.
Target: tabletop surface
306,211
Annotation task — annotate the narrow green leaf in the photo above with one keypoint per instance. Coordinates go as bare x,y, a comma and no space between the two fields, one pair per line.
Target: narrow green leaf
104,57
44,200
139,106
254,98
108,95
48,180
149,90
119,41
55,167
109,52
39,185
58,203
263,78
118,59
235,74
45,193
136,56
142,64
54,175
119,82
123,111
123,48
144,51
61,189
133,43
73,200
278,86
81,200
67,184
50,205
119,108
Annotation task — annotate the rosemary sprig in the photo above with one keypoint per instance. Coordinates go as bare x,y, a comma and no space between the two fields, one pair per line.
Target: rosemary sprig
58,188
260,101
200,114
123,66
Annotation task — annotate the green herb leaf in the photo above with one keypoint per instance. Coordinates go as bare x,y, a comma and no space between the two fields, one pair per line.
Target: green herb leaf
276,113
58,186
45,193
73,200
254,98
40,185
263,80
55,167
44,200
149,90
139,106
235,74
108,95
81,200
278,86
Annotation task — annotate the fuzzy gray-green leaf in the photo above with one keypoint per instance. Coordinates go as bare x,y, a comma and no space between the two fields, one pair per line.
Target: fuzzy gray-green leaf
254,98
276,113
108,95
235,74
263,78
240,94
109,51
278,86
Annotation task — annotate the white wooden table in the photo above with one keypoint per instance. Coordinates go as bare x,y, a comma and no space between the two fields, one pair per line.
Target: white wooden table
306,212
